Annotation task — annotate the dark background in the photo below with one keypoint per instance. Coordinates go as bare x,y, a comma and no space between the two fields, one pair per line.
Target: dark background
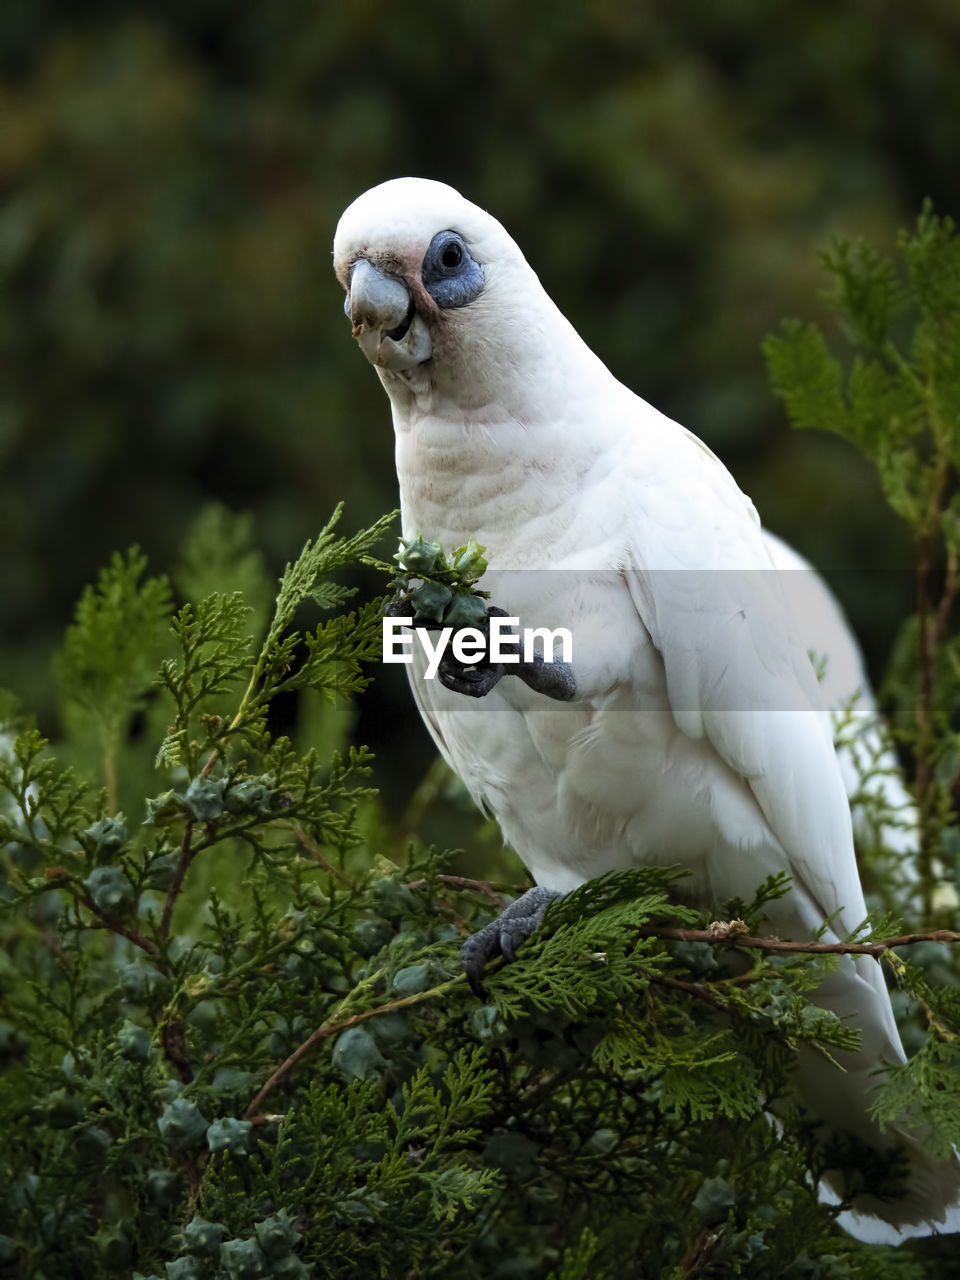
171,331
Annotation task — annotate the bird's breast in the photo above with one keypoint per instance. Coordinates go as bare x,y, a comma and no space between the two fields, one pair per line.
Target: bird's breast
506,483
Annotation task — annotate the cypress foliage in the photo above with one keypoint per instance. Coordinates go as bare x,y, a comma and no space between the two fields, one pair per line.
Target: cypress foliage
235,1038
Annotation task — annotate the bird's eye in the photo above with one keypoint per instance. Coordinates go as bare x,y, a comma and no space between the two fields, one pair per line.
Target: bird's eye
451,255
449,272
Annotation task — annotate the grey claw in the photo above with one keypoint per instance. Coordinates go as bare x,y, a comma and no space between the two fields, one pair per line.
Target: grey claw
502,936
475,683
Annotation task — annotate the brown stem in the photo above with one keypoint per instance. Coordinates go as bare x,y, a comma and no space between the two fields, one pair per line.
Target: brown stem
107,922
173,1041
930,626
318,857
463,882
924,713
730,935
700,1254
951,584
691,988
110,776
333,1028
187,854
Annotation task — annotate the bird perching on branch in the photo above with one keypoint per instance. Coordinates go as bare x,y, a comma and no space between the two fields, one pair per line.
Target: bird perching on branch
689,725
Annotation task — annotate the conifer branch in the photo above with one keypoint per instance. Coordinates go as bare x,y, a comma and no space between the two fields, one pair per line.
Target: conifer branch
700,1254
314,852
108,922
691,988
951,584
187,853
732,935
334,1028
464,882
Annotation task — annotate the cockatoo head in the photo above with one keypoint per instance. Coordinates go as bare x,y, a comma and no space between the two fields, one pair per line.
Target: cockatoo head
438,293
411,254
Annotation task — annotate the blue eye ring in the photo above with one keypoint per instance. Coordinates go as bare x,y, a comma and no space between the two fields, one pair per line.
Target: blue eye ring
450,273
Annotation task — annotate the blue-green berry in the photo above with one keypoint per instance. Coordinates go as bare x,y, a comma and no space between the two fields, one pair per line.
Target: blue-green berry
161,872
250,795
469,561
418,556
465,611
277,1235
141,982
356,1054
163,809
63,1109
114,1246
184,1269
228,1134
132,1041
108,835
202,1239
412,979
181,1123
110,890
429,600
243,1260
204,798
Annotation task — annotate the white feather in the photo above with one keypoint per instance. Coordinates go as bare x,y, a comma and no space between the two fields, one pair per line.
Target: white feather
698,730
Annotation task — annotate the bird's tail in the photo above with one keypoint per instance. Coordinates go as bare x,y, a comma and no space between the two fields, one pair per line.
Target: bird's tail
930,1200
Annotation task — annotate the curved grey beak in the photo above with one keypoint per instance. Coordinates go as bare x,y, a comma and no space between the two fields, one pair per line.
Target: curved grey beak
385,322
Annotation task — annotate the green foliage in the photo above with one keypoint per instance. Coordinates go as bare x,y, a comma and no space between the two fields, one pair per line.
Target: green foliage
435,587
899,401
237,1042
109,656
173,173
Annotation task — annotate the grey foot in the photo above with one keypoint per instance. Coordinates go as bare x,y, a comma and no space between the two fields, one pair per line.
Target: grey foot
552,679
475,681
502,936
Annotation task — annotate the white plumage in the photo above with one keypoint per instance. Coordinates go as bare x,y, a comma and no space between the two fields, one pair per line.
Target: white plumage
696,733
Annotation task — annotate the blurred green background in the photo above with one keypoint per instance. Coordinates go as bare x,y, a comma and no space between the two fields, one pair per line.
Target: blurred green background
172,333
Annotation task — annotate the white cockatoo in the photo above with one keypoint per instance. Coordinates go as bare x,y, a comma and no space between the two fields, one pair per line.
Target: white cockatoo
688,724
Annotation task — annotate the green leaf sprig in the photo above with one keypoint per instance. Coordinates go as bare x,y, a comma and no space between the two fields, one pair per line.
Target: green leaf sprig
438,588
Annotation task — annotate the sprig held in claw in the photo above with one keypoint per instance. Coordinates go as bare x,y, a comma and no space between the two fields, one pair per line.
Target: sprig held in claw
440,590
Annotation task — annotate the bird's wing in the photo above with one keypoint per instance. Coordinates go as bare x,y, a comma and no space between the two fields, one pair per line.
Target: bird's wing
704,585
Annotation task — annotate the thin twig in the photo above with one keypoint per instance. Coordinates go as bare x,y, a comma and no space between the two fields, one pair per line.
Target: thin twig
266,1117
951,584
187,853
731,935
718,935
463,882
700,1254
173,1042
333,1028
930,625
317,856
108,922
217,751
691,988
925,658
110,776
